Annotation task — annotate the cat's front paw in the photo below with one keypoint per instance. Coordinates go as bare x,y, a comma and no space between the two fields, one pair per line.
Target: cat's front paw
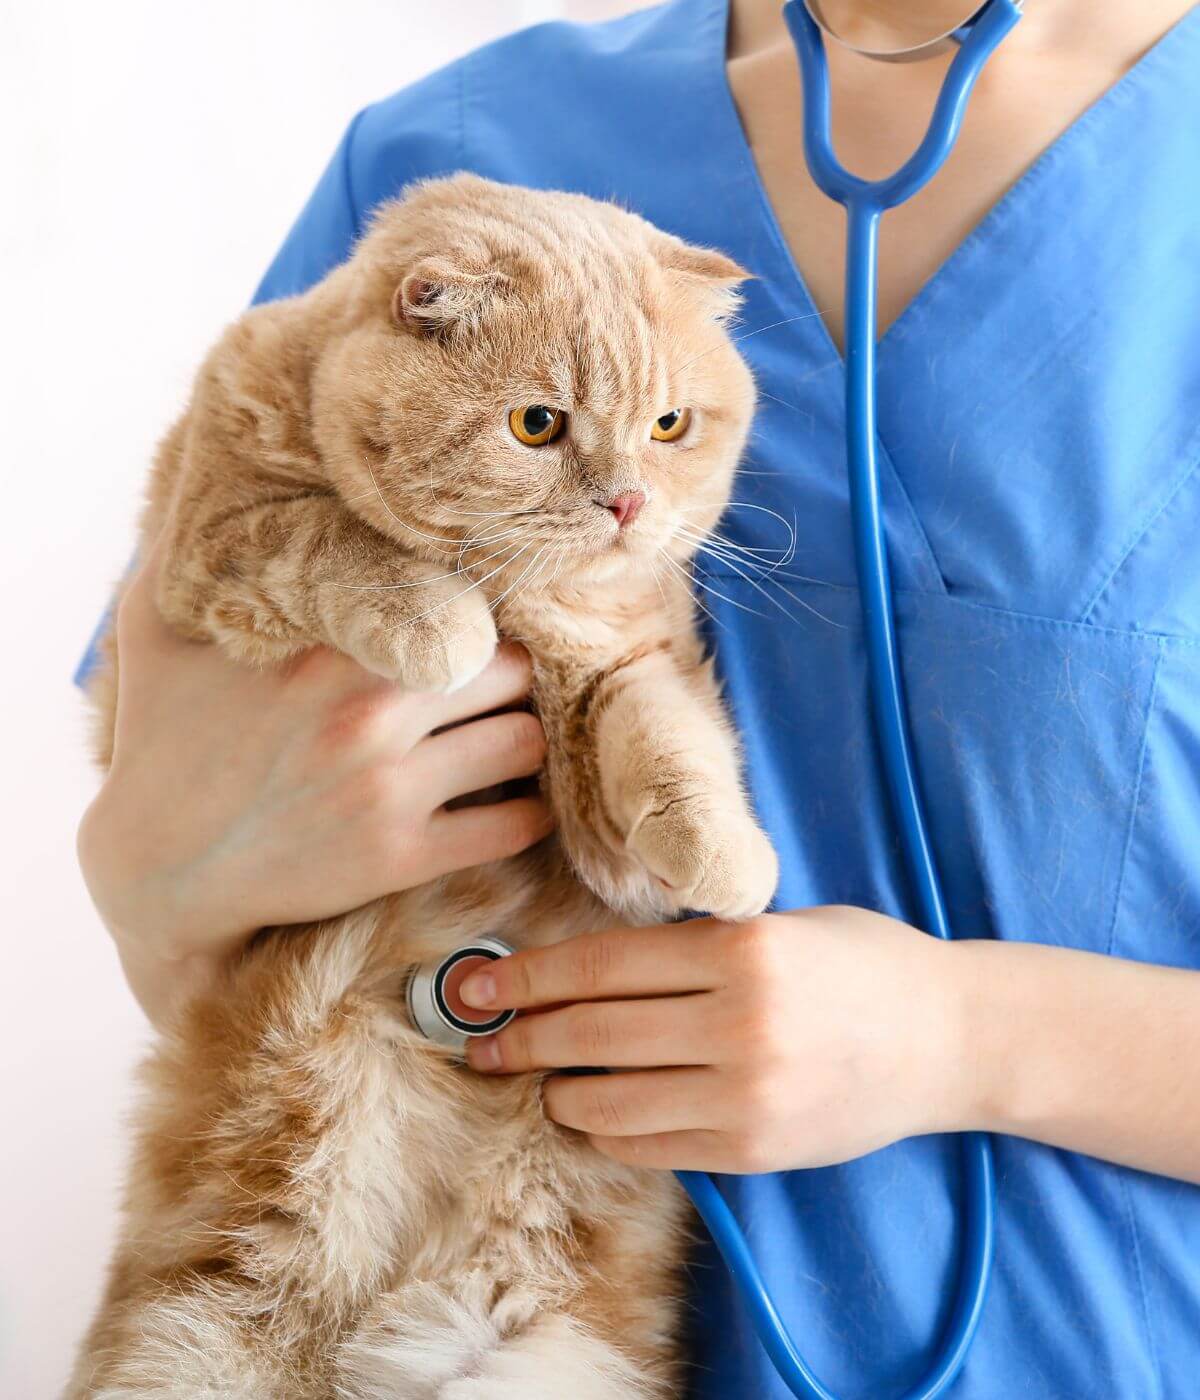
434,636
709,861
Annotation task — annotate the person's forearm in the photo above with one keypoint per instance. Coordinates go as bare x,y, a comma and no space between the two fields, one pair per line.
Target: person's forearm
1091,1053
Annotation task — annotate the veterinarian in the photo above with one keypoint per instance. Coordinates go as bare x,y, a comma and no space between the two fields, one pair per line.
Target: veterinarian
1039,385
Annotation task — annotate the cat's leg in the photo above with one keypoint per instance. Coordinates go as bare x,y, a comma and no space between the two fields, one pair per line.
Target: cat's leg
551,1359
415,1340
165,1345
287,1152
666,762
426,1342
270,579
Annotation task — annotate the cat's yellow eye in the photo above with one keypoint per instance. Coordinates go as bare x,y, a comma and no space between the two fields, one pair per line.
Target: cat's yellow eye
671,426
535,425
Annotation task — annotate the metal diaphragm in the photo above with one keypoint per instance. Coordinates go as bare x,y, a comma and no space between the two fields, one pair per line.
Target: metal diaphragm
827,14
435,1002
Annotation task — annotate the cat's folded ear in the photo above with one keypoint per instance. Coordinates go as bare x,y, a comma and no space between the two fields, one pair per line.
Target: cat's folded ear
438,293
710,272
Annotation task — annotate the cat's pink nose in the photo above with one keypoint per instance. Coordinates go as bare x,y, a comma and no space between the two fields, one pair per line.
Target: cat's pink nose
625,506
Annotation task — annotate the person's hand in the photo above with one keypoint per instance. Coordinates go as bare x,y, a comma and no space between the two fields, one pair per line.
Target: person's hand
794,1040
241,798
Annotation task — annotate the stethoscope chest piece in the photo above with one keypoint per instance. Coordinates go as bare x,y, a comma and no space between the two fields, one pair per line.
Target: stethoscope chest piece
435,1001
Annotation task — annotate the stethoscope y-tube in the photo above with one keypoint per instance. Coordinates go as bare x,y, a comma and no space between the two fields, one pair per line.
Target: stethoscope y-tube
865,201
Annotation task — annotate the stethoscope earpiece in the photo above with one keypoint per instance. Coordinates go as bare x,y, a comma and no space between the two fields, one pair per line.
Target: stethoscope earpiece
435,1001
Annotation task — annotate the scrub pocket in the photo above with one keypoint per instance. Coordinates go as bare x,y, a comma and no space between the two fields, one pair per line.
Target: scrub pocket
1036,743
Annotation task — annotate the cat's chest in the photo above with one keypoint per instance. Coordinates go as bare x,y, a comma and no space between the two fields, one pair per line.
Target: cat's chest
577,633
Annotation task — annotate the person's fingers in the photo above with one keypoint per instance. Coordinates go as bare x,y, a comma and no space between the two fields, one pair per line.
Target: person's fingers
625,1105
696,1150
475,835
324,675
627,962
504,681
654,1031
478,754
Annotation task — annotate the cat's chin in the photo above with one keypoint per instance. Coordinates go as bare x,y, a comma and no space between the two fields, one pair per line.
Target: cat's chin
634,547
613,562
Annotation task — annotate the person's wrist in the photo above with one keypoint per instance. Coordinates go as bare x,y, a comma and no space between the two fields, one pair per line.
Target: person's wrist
101,867
161,984
1001,1080
159,958
961,1084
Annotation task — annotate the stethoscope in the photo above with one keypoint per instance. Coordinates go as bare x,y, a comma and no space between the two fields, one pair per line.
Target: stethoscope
432,993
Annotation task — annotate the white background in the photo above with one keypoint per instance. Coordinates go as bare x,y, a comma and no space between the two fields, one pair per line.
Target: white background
154,154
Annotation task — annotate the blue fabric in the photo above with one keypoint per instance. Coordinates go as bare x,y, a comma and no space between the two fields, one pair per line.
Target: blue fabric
1039,417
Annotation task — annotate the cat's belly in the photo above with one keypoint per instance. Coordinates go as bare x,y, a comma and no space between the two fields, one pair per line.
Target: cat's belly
309,1158
486,1187
491,1218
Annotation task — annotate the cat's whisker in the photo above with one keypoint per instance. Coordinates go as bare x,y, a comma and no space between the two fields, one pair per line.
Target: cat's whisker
486,532
692,583
520,532
467,540
795,407
443,505
751,505
538,580
359,496
724,556
470,546
737,339
485,537
714,532
524,572
462,593
730,553
758,554
404,525
415,583
777,556
731,563
725,598
662,554
658,583
716,545
396,518
761,565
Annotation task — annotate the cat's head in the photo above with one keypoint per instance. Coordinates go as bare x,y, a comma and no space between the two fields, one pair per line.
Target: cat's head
535,382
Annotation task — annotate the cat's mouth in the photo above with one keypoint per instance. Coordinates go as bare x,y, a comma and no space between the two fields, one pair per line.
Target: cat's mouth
618,543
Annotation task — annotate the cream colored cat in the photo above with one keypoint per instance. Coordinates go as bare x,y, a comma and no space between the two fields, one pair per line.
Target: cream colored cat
499,415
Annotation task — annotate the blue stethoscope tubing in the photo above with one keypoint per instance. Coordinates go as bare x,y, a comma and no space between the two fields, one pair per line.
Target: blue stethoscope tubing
865,201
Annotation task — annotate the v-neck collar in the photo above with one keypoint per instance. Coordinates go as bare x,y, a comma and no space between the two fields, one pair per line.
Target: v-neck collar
713,48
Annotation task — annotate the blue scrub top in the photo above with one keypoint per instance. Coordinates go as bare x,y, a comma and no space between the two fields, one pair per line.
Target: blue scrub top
1039,406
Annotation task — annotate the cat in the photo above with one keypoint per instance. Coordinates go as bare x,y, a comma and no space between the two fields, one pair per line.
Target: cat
524,408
